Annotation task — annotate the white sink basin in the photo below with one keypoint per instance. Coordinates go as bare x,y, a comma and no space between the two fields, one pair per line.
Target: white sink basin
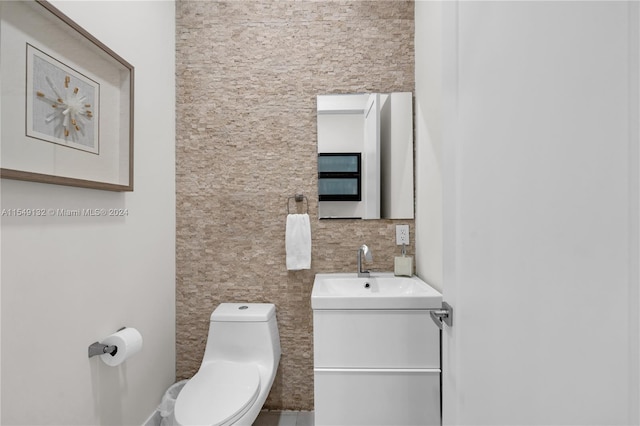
382,290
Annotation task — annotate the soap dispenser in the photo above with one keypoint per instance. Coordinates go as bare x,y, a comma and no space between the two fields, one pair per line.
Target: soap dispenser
403,265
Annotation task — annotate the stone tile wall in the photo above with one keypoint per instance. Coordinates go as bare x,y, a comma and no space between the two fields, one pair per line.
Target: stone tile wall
248,73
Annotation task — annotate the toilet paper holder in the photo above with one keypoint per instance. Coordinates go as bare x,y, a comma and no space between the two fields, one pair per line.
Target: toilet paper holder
97,348
100,349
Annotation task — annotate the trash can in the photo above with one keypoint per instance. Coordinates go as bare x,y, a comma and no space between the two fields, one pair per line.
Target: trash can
168,403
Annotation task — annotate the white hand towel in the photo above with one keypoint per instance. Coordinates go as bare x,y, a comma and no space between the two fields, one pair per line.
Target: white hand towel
298,242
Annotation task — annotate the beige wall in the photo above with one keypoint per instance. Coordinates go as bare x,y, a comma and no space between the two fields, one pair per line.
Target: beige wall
247,78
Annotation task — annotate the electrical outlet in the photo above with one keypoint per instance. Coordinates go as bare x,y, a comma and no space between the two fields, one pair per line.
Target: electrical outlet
402,234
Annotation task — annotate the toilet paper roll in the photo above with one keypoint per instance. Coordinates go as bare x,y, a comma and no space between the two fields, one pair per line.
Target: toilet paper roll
128,341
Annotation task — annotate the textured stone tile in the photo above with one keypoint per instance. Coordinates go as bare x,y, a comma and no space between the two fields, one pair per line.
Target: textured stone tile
247,77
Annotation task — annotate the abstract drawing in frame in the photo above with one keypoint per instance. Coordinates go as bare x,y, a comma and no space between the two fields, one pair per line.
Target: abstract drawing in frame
66,102
63,106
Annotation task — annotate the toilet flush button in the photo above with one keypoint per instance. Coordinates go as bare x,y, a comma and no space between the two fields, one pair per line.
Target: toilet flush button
243,307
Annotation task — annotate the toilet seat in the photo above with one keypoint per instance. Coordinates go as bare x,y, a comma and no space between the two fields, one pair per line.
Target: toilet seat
218,394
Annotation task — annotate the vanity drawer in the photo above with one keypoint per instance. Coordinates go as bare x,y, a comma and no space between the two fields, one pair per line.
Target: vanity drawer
375,339
377,397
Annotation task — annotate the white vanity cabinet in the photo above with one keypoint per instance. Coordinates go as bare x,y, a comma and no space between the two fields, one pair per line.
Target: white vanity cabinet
376,367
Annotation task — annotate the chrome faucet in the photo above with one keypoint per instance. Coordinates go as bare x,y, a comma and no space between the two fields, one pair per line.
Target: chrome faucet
367,256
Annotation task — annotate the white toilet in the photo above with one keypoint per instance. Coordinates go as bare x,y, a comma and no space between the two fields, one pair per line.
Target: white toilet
238,368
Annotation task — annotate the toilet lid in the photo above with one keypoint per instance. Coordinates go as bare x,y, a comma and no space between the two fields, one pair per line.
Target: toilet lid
219,392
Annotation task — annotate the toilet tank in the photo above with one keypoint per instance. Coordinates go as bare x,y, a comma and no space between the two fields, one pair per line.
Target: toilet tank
244,332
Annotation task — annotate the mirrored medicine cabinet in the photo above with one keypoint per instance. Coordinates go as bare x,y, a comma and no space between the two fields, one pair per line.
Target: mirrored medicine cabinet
365,156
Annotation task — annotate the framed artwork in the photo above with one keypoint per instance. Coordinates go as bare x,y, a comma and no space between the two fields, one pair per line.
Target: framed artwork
66,110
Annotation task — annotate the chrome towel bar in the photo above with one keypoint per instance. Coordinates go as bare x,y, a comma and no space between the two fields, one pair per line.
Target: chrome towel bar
298,198
442,315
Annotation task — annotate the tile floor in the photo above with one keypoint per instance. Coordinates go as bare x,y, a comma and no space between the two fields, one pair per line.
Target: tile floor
265,418
284,418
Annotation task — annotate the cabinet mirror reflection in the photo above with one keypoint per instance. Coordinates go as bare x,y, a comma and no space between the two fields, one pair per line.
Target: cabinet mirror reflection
365,156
